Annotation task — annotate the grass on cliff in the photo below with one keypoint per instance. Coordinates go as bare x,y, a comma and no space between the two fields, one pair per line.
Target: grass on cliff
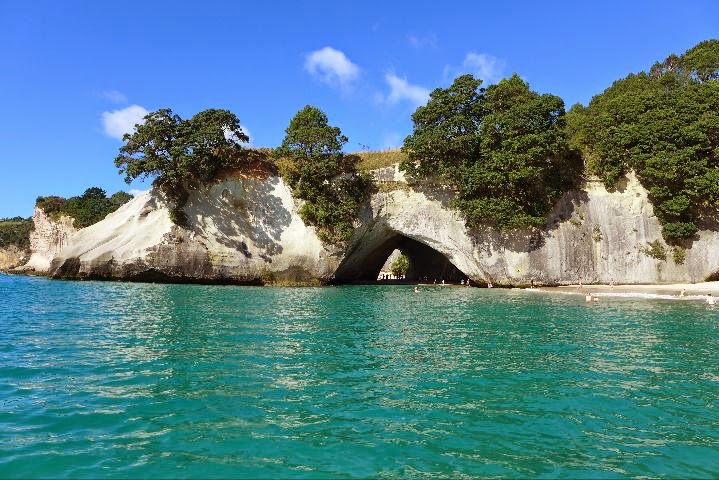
371,160
15,231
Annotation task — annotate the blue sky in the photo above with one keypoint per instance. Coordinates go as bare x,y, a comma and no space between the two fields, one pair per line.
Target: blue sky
74,75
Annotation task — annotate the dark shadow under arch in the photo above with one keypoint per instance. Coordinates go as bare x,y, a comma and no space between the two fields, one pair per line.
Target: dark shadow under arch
425,263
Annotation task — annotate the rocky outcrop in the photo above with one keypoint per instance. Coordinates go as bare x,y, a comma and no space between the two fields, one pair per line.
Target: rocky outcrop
593,235
246,229
12,256
48,238
243,229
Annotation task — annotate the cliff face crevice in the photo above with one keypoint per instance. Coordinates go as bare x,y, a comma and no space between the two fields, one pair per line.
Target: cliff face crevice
49,237
247,230
241,229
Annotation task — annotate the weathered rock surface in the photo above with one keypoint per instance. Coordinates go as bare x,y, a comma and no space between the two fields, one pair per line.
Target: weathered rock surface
594,236
246,229
48,238
12,257
243,229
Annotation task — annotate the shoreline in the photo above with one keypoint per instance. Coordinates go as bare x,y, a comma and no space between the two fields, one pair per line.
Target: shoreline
692,291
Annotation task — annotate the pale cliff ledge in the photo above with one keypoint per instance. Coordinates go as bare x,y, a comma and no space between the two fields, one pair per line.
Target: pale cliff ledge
11,257
245,229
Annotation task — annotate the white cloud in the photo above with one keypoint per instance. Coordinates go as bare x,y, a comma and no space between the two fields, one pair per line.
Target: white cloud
482,65
114,96
119,122
231,136
135,192
331,66
401,90
417,41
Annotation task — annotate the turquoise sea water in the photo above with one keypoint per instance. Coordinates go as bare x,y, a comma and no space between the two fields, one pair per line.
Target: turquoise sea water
144,380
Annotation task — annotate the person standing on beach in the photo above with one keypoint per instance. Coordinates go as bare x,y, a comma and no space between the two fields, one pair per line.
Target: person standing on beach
711,300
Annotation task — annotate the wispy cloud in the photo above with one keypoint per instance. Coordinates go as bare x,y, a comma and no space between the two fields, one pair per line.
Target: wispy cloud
401,90
119,122
482,65
114,96
331,66
422,41
135,192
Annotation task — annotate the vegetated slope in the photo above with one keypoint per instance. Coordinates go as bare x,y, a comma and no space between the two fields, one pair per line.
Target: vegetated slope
663,124
503,148
87,209
15,231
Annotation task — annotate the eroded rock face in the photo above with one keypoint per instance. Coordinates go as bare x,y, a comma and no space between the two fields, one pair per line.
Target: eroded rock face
594,236
246,229
12,257
48,238
242,229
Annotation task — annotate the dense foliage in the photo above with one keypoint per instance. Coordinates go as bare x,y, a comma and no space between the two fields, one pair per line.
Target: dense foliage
178,153
503,148
87,209
400,267
312,163
15,231
663,124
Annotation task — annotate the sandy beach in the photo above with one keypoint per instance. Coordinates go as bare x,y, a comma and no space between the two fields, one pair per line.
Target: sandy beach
691,289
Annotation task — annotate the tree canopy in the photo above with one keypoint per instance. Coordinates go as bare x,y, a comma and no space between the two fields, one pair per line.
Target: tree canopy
664,125
15,231
87,209
312,163
503,148
178,152
175,150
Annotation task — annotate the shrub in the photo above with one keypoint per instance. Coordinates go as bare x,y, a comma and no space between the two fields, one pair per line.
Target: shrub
15,231
679,255
655,249
87,209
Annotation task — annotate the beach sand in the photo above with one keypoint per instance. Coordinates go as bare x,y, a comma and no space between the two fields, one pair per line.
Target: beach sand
691,289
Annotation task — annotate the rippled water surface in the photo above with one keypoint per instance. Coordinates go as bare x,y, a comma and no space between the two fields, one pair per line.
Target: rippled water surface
143,380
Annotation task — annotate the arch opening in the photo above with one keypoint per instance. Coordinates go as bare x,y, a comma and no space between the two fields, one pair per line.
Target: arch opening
425,263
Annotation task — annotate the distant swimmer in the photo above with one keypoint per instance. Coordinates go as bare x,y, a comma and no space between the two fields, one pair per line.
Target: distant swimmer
416,289
589,298
711,300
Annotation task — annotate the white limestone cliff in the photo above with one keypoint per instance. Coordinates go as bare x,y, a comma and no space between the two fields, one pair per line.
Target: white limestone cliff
48,238
246,229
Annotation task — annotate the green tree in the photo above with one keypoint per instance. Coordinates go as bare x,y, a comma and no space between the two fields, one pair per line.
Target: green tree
178,152
94,192
445,136
15,231
664,125
120,198
400,267
312,163
87,209
504,149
